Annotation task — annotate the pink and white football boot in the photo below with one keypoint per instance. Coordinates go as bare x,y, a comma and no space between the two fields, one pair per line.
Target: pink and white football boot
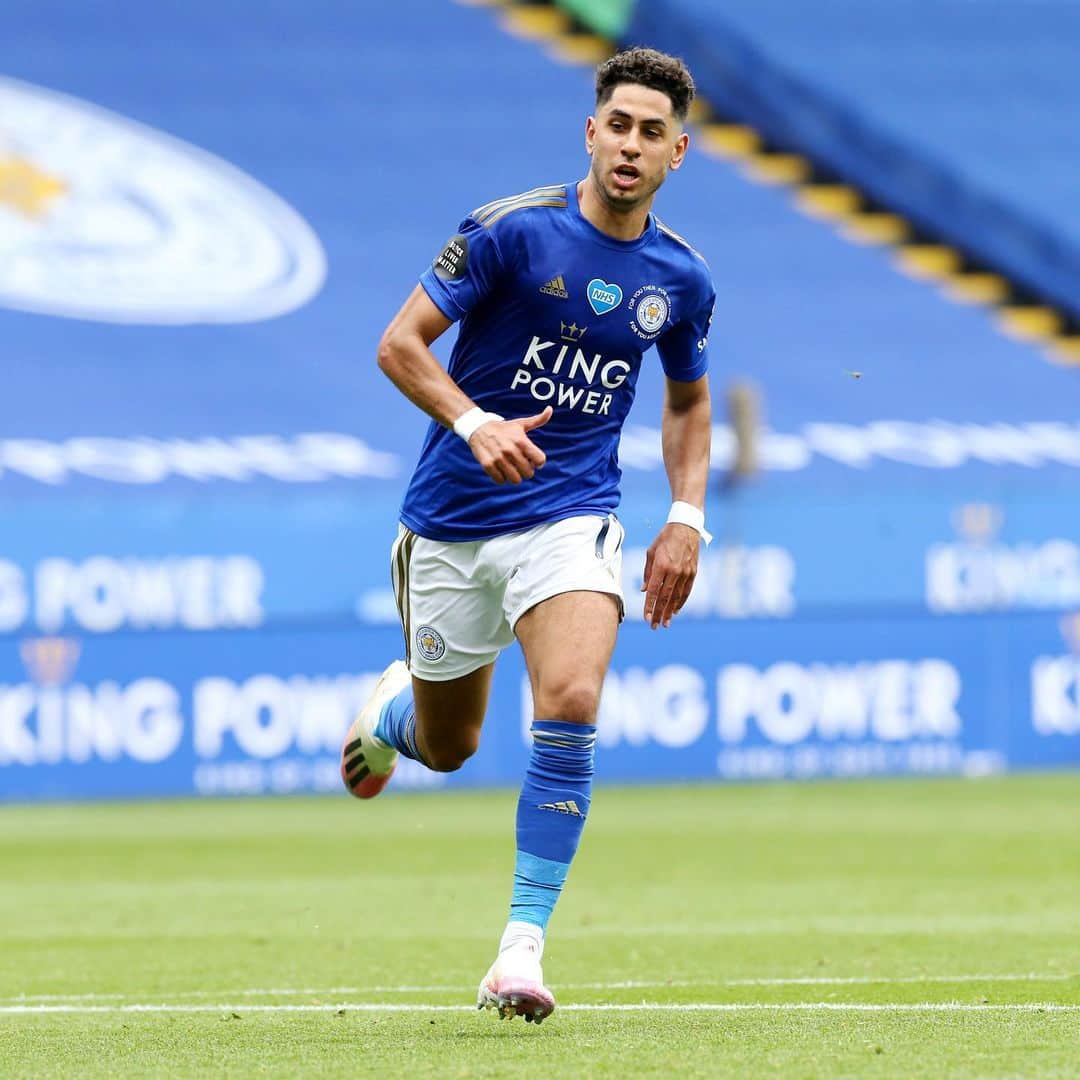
514,985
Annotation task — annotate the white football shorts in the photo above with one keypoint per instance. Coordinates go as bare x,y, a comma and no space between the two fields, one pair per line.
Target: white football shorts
459,603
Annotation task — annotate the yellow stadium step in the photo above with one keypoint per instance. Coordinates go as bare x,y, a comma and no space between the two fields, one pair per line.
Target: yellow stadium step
828,201
876,228
976,288
1029,323
1065,350
777,168
730,140
927,262
535,23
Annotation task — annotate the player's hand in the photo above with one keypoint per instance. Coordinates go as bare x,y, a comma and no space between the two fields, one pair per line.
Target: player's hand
506,452
671,565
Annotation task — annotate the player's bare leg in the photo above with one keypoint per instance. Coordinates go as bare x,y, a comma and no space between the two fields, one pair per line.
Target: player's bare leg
567,641
449,716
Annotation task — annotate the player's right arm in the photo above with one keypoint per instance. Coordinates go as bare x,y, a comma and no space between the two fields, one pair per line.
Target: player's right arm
502,447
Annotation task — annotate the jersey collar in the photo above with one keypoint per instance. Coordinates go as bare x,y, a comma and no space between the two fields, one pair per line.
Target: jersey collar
602,237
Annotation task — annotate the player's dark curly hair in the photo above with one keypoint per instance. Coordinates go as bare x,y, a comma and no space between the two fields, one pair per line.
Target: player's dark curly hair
647,67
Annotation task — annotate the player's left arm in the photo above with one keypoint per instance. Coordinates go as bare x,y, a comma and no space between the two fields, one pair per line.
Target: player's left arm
671,563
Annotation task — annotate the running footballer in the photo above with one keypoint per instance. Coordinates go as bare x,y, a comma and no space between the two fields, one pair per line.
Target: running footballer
508,526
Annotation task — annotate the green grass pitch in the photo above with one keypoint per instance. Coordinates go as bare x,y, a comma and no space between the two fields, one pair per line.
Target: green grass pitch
893,929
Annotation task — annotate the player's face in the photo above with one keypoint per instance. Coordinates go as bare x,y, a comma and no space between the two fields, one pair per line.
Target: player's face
633,140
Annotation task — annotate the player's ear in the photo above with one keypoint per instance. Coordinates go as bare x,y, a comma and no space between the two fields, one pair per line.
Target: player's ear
678,151
590,133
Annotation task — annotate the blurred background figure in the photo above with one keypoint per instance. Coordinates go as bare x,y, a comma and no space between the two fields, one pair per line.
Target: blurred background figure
744,419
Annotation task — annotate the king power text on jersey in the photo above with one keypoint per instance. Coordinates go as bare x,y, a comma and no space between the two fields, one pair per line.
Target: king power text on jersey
572,366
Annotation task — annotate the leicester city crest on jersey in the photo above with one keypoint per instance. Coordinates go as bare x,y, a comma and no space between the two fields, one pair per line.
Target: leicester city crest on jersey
652,308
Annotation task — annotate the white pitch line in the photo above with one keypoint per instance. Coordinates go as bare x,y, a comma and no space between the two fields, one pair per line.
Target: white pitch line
325,991
382,1007
628,984
302,991
855,980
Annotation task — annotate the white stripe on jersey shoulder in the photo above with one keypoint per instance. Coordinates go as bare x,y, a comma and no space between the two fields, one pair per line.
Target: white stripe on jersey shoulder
675,236
550,192
525,204
487,208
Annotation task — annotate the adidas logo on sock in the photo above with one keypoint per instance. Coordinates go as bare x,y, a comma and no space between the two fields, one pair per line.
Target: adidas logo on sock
568,807
556,287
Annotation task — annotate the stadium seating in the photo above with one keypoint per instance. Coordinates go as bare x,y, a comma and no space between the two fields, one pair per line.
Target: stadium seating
961,116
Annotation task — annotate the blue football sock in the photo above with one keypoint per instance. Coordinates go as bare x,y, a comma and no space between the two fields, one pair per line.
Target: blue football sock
397,725
550,815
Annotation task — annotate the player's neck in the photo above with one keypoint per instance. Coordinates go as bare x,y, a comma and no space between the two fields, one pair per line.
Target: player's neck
619,226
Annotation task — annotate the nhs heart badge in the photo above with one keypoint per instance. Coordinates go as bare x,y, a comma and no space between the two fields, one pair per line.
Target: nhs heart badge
602,296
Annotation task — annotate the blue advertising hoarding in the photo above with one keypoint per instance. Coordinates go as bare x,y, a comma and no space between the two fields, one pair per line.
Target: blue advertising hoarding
220,646
239,712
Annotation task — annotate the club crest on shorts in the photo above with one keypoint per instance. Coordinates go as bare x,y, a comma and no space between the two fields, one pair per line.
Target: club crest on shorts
430,643
651,306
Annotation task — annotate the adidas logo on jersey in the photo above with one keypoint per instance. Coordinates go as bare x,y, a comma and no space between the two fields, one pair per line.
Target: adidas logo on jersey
568,807
556,287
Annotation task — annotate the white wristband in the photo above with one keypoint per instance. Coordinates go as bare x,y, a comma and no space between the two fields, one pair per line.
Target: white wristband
684,513
466,424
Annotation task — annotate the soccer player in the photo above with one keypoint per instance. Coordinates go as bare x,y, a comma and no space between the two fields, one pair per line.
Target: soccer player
508,526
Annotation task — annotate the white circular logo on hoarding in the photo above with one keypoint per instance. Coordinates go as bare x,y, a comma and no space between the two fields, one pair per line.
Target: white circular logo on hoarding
103,218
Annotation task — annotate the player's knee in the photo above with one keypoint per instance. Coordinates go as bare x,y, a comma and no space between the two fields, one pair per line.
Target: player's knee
575,701
448,755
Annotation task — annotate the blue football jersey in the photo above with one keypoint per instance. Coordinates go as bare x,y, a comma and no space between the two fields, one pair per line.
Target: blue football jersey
553,312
